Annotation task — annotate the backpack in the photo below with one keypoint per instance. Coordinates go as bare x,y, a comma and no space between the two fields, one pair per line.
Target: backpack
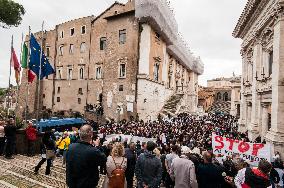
117,178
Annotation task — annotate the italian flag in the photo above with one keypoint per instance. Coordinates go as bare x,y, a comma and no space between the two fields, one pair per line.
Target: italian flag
24,62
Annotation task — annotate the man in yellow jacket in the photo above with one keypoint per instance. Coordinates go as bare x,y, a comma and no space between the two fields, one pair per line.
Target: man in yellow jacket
63,144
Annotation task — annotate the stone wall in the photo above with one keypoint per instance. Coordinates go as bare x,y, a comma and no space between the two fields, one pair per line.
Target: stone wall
151,98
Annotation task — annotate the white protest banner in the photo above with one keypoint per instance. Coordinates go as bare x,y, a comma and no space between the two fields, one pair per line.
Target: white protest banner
250,152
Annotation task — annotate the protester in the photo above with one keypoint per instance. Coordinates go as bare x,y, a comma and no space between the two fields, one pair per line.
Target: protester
168,163
63,144
130,154
47,151
208,174
183,170
2,137
116,166
10,134
83,160
148,168
254,177
31,135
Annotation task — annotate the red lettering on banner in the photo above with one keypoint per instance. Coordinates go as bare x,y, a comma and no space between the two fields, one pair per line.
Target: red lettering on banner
219,139
256,147
231,143
243,147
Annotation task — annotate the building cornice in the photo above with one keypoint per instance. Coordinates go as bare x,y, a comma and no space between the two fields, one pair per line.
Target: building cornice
160,17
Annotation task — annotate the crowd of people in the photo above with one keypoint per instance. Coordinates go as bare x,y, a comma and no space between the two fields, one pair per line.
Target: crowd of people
181,155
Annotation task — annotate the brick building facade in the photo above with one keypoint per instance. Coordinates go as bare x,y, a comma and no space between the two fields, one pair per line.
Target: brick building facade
129,60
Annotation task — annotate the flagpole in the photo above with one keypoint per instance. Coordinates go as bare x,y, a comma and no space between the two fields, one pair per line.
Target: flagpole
17,99
39,76
27,77
9,88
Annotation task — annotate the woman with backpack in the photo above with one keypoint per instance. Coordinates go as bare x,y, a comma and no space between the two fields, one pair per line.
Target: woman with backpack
116,166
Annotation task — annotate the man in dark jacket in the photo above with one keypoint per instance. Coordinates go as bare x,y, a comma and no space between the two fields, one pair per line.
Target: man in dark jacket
148,168
208,174
83,160
131,156
10,134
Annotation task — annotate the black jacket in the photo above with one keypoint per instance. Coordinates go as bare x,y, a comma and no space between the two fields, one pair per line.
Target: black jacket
82,162
209,176
10,131
148,170
131,162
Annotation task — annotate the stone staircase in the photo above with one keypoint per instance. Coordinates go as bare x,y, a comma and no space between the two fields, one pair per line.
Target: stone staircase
19,172
220,107
171,106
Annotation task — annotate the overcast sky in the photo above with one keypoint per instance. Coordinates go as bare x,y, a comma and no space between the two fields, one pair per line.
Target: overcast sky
206,25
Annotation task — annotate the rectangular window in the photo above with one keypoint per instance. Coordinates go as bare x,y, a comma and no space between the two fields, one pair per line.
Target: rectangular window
80,91
62,34
83,47
83,29
98,73
79,100
72,31
157,38
270,61
156,71
122,36
69,70
122,71
58,99
59,74
47,51
58,89
120,88
71,49
102,43
43,95
61,50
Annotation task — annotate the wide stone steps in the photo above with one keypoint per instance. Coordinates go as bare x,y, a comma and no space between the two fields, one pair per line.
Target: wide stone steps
19,172
170,107
25,171
223,107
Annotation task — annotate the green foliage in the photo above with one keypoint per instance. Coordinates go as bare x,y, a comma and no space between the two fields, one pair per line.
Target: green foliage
10,13
2,92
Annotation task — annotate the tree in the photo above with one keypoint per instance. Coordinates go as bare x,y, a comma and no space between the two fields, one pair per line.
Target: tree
10,13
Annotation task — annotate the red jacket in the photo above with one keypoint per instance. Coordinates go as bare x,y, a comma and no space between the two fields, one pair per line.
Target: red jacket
31,133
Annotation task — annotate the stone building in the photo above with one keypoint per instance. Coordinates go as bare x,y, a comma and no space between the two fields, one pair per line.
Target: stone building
127,61
261,27
222,95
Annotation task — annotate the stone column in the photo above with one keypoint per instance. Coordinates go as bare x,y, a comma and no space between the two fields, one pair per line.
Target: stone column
233,110
264,119
257,58
243,114
248,114
276,134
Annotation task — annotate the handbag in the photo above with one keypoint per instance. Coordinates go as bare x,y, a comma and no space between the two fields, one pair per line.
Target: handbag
50,154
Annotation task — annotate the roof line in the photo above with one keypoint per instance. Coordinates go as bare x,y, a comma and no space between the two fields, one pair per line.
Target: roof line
115,3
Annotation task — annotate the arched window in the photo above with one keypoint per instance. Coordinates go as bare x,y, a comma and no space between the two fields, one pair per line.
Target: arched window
219,96
81,73
225,96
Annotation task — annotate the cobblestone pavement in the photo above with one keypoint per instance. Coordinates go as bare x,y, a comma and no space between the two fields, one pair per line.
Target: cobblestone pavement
19,172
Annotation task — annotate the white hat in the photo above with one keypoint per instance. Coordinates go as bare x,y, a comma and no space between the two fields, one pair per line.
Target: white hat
196,151
185,150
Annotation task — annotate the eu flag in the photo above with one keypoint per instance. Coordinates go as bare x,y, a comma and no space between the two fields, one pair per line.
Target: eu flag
34,63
